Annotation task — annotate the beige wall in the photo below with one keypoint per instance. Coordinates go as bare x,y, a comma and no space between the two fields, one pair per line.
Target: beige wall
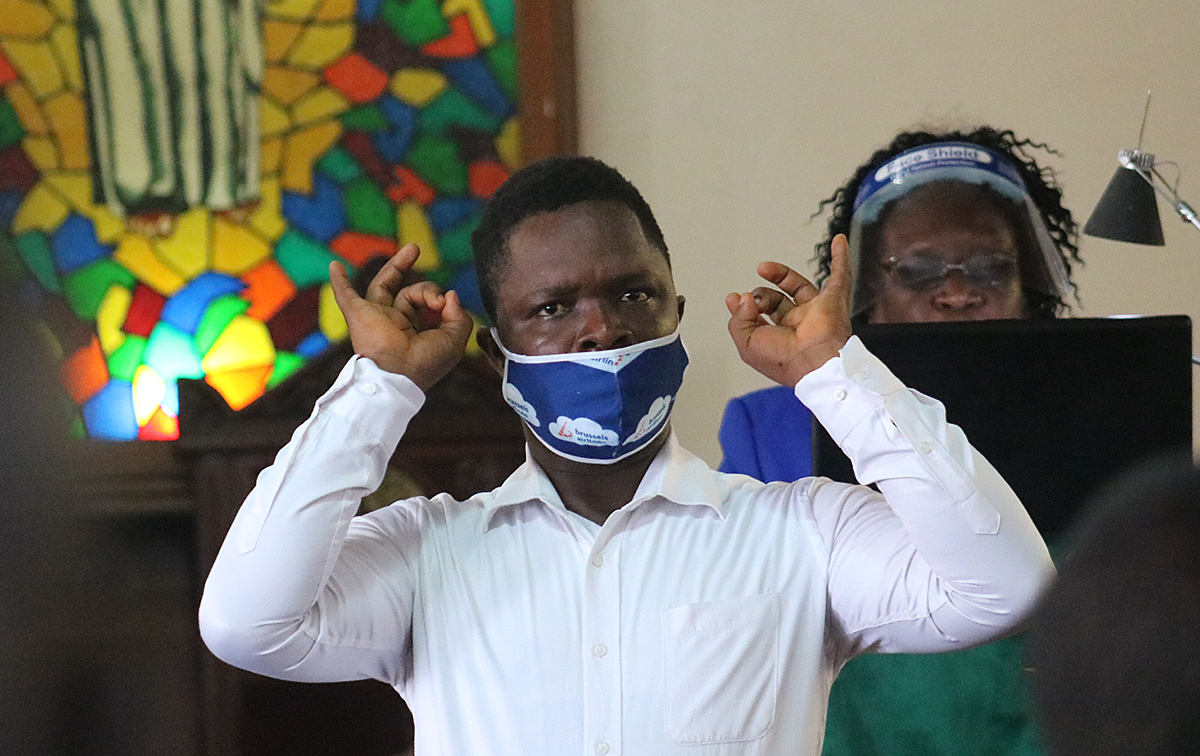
735,118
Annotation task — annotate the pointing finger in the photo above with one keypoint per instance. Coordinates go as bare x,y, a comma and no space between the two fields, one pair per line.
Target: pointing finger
772,303
792,283
387,282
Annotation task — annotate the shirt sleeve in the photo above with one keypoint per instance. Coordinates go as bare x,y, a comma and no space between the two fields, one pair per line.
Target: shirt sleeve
944,555
302,590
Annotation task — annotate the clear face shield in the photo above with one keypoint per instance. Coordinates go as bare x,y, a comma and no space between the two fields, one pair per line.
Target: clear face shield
1042,268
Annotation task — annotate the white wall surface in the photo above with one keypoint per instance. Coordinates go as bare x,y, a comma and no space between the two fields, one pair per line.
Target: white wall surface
735,118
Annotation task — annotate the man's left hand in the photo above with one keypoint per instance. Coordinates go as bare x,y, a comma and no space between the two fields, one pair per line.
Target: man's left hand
785,334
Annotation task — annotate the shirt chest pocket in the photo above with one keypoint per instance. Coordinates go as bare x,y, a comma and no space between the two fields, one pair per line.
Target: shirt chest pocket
721,669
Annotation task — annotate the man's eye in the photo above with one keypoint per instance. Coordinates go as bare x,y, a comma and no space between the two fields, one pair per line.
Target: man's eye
550,308
635,296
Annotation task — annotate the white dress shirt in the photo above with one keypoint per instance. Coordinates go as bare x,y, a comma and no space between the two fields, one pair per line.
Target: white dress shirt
707,616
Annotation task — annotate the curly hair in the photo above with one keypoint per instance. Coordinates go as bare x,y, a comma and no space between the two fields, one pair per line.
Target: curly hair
1039,180
543,187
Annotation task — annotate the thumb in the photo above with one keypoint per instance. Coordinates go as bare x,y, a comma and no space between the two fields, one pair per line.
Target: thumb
455,318
841,278
743,320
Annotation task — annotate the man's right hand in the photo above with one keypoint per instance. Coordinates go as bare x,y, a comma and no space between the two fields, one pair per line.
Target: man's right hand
415,331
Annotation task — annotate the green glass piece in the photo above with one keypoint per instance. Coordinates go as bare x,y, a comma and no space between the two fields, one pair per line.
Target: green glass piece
502,59
34,249
417,22
365,118
368,210
305,261
85,288
440,276
454,246
171,354
338,165
77,428
11,131
286,363
454,107
124,360
502,16
435,159
220,311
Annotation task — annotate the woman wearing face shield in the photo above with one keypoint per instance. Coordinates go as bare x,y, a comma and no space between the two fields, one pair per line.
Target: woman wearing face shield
946,226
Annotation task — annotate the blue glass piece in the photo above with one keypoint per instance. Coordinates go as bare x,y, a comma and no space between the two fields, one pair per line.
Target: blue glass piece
75,245
10,202
171,354
473,76
170,400
185,309
109,414
466,283
392,145
320,215
367,10
402,115
445,212
313,344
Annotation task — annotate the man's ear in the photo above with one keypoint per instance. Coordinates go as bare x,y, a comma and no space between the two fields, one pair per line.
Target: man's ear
682,301
489,347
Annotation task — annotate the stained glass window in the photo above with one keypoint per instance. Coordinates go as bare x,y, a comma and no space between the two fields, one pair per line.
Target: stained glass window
170,212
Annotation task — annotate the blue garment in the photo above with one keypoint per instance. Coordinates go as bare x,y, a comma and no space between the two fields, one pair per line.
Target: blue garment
964,703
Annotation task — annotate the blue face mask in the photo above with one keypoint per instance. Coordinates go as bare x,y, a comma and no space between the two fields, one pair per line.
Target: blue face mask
596,407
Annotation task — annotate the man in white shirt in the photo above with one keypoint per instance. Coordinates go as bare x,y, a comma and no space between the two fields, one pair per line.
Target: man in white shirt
614,595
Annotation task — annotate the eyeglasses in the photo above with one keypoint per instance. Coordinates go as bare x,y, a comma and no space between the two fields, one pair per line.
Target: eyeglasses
927,273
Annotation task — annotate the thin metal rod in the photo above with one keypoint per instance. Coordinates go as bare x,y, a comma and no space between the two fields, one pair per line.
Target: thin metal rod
1145,115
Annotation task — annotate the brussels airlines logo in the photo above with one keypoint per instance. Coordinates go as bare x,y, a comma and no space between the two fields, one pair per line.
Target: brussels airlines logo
653,418
613,364
512,395
583,431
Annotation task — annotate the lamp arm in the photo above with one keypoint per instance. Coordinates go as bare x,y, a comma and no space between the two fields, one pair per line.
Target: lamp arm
1161,186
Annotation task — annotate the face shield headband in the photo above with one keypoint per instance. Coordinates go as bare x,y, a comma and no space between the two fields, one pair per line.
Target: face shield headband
596,407
952,161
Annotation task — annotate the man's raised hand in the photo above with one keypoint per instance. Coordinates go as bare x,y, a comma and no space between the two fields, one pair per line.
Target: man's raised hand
807,326
416,331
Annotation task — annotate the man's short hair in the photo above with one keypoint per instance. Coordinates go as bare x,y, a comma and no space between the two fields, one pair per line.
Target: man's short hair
1039,181
543,187
1113,644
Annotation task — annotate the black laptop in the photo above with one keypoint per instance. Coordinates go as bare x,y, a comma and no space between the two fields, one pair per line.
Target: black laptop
1057,406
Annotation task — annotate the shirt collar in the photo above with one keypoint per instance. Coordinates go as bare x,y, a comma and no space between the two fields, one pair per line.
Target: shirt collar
676,475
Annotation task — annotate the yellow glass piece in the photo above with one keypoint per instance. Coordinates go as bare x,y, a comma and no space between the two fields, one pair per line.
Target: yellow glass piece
22,18
240,387
111,316
473,348
36,64
319,105
42,210
149,389
108,226
268,220
336,10
321,45
329,317
417,86
66,45
286,85
186,250
272,155
301,149
64,9
415,229
136,255
74,186
245,343
68,120
481,24
28,111
42,152
297,10
508,144
274,118
237,249
278,37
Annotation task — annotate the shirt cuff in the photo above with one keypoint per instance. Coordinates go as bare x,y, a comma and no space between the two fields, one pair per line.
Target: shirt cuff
378,402
847,388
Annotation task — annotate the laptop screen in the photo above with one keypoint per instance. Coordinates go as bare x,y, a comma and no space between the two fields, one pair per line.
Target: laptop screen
1057,406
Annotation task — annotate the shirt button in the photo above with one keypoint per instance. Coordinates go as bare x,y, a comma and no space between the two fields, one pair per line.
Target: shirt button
599,650
598,560
369,388
860,375
839,394
925,447
602,747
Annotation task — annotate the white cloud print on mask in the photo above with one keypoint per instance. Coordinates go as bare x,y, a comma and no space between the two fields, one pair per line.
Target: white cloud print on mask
512,395
652,420
583,431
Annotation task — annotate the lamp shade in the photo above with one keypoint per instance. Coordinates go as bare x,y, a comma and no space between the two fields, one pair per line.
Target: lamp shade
1128,209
